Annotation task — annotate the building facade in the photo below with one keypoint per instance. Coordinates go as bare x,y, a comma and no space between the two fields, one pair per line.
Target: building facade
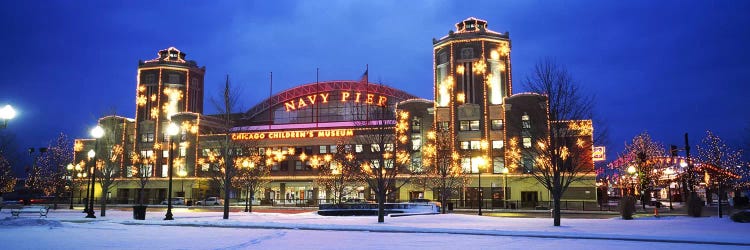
292,130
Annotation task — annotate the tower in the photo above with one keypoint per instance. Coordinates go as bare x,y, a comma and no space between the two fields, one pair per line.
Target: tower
167,85
471,79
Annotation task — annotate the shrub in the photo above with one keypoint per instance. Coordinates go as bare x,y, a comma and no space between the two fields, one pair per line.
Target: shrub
742,216
627,207
695,205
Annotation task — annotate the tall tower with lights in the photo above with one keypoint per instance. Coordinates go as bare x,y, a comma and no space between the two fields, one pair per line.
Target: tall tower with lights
167,85
472,78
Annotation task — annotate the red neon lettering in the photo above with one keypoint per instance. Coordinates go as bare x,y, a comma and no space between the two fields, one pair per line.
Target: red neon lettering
325,97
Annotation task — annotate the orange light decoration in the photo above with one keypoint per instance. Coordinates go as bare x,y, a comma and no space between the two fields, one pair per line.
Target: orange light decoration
141,100
78,146
460,97
460,69
479,67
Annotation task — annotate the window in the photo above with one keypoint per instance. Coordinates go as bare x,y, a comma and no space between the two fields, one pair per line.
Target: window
388,163
389,147
375,163
466,165
174,78
147,137
525,123
416,142
464,145
165,153
297,165
323,149
497,124
415,125
443,126
463,126
358,148
128,172
147,153
474,125
275,166
497,144
205,167
183,151
498,163
334,149
164,170
475,145
475,164
527,142
375,147
528,164
146,170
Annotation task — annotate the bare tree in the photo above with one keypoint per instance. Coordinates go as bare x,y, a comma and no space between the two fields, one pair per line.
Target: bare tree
558,150
143,169
443,173
110,156
227,104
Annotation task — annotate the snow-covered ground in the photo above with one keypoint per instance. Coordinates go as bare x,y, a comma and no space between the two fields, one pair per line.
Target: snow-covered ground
67,229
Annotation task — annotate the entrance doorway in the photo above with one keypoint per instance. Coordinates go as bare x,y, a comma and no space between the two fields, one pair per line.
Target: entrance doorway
529,199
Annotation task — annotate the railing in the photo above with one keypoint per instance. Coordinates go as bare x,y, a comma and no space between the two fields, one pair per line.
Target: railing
530,205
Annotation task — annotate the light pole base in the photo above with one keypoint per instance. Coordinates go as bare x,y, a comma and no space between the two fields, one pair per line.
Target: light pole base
91,215
168,216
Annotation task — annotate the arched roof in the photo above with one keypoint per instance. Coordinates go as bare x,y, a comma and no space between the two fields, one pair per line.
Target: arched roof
311,88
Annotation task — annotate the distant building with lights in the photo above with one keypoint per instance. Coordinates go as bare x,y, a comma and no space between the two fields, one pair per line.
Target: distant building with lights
474,100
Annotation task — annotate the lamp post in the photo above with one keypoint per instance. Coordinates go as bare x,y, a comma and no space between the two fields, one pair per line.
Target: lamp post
505,187
172,130
97,132
6,113
70,168
669,173
631,171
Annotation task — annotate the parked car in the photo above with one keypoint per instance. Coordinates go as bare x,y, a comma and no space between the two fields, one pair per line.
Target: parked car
210,201
175,201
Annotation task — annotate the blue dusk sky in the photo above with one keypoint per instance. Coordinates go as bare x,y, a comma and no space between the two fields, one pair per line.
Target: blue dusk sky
666,67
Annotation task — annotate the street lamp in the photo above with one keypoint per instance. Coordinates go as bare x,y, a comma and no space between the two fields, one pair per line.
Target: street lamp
505,188
97,132
172,130
631,171
669,173
70,168
6,113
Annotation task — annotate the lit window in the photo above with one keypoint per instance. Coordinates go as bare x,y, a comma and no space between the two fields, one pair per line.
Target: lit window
416,144
183,151
527,142
375,147
164,169
165,153
389,147
474,125
375,163
497,144
466,165
475,145
443,126
464,145
297,165
323,149
497,124
498,163
415,125
388,163
525,123
334,149
358,148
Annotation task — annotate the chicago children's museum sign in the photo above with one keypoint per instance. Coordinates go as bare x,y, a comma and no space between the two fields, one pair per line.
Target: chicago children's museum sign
293,134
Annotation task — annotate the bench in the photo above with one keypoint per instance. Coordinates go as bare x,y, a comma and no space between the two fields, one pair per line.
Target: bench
41,210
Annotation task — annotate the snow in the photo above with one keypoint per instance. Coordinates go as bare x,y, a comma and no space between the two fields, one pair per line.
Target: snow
68,229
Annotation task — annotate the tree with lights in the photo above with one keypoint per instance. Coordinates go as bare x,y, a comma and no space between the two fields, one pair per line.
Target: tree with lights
714,152
644,168
559,152
50,171
7,179
337,172
386,155
250,175
443,173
